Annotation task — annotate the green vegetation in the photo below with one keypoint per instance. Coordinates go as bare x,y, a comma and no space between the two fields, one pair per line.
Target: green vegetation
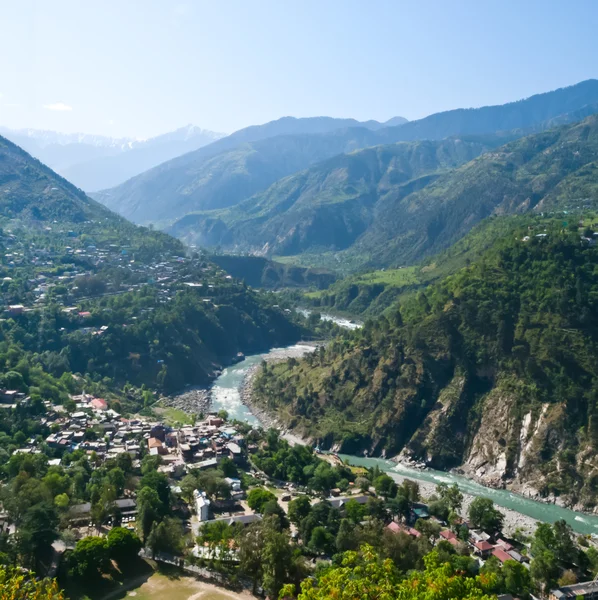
18,585
260,272
513,332
366,575
391,206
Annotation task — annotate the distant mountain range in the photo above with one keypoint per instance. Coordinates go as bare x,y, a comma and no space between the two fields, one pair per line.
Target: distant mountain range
93,162
393,205
237,166
233,169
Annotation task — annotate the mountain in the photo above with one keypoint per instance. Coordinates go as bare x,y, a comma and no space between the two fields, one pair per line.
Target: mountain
505,117
259,272
328,206
112,301
94,162
492,370
31,191
227,172
394,205
234,168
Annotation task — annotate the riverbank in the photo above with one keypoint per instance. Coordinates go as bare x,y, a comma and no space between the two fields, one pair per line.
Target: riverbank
266,418
513,520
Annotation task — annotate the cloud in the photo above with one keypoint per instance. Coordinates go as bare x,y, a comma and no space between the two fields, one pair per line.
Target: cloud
61,106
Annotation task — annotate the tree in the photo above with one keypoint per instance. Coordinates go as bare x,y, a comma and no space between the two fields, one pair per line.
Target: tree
123,545
159,482
299,509
265,555
37,531
410,490
428,529
517,580
321,540
355,511
345,538
385,486
439,509
366,576
148,510
272,508
258,497
166,536
398,506
483,515
452,496
544,569
362,484
18,585
90,557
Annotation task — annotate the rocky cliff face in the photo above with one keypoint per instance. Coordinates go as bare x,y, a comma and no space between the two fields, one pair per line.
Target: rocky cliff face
493,371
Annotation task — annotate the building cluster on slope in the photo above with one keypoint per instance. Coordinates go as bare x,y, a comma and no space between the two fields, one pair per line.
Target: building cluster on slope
69,267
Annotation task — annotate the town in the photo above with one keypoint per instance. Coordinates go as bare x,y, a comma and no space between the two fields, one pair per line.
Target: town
214,480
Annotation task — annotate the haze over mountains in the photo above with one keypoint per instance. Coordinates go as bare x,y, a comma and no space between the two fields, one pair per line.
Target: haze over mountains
94,162
180,193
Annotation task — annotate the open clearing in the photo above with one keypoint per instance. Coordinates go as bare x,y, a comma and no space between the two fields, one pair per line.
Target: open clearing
161,587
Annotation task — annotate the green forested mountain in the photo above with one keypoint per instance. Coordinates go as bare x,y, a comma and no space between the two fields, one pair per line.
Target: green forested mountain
30,190
514,115
493,370
260,272
86,292
370,293
234,168
330,205
394,205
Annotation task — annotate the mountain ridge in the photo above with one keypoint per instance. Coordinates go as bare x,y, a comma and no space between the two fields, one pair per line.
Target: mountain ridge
192,181
395,222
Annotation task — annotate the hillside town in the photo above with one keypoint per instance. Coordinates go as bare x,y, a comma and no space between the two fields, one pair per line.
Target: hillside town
227,454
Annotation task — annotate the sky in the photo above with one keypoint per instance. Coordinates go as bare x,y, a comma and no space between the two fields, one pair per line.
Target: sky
143,67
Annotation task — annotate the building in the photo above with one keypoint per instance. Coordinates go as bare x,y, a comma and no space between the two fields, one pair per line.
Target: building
99,404
501,554
202,505
587,590
483,548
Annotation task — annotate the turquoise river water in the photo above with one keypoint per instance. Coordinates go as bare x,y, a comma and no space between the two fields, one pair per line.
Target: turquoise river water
226,395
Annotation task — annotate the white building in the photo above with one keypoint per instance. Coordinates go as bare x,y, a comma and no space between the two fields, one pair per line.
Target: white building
202,505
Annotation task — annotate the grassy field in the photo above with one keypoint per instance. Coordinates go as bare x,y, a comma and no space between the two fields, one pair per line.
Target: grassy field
396,277
172,416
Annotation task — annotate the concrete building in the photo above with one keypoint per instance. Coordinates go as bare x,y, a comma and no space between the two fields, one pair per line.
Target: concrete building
202,505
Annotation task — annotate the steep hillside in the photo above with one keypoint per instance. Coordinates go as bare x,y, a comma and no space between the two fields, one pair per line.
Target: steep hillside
30,190
202,180
370,293
330,205
235,167
260,272
493,370
112,301
392,205
514,115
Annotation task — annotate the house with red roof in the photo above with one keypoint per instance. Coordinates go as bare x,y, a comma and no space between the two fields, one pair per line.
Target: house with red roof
501,554
99,404
483,548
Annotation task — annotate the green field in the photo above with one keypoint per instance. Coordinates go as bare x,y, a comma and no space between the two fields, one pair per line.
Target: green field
172,416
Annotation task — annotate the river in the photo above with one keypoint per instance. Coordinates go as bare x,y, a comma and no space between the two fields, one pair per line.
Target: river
226,395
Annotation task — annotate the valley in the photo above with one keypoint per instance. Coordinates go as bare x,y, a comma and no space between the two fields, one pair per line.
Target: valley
275,358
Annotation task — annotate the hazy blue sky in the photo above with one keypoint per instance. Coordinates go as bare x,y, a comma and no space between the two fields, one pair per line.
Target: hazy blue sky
142,67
